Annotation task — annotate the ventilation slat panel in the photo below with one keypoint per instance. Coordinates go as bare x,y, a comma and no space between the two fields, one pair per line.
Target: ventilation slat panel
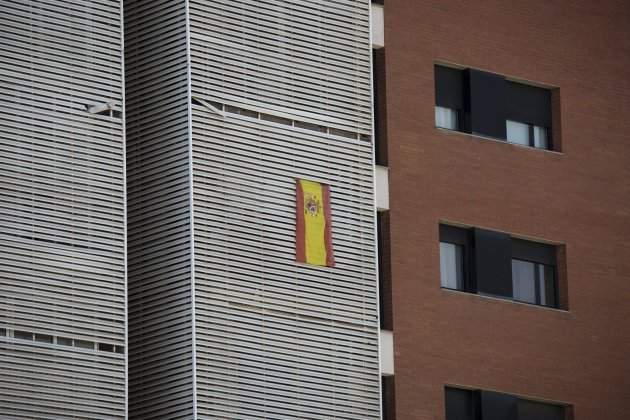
62,245
276,339
301,56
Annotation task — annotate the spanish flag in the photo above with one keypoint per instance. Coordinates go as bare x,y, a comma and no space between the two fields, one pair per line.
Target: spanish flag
313,242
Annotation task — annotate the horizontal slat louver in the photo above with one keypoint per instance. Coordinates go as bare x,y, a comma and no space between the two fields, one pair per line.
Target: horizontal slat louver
62,263
40,381
273,339
160,323
304,57
276,339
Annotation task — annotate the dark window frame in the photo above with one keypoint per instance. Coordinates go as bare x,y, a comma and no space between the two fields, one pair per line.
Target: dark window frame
538,253
485,115
530,136
481,400
23,335
463,237
554,279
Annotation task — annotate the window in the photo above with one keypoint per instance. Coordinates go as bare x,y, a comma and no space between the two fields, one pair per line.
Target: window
449,97
105,347
445,118
526,134
490,105
469,404
83,344
384,270
388,397
517,132
462,404
495,264
533,283
23,335
63,341
44,338
455,258
451,265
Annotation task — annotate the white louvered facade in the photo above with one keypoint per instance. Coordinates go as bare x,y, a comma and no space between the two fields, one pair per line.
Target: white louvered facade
62,211
276,339
224,323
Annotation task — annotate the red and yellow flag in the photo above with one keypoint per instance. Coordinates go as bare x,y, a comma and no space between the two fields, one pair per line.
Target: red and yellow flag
313,241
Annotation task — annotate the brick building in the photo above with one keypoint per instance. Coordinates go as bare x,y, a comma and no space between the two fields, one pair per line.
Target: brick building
503,131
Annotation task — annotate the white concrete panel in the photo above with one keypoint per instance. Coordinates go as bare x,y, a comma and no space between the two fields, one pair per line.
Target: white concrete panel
382,187
378,28
387,353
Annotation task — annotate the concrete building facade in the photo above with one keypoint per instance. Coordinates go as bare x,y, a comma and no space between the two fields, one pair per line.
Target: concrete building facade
229,102
62,211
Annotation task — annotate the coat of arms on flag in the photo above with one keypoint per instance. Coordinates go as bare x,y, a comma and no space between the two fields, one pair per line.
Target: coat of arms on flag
313,241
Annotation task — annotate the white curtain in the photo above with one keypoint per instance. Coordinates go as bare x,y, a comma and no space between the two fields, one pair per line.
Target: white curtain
524,281
540,137
445,118
517,132
451,265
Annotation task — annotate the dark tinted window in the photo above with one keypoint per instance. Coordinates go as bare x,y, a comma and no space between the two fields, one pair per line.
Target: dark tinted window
449,87
462,404
467,404
495,264
44,338
23,335
84,344
64,341
106,347
490,105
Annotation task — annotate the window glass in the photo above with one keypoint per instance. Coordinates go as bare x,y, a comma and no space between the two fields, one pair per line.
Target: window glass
540,137
445,118
23,335
451,265
84,344
105,347
524,281
64,341
496,264
44,338
517,132
461,404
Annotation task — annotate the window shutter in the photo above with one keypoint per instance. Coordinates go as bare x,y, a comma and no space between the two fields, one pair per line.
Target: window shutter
449,87
528,104
497,406
534,251
462,404
493,262
532,410
485,104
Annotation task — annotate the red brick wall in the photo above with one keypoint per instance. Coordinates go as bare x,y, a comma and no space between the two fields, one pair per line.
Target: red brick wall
580,197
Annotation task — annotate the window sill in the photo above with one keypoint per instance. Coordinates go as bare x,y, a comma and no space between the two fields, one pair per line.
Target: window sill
500,299
496,140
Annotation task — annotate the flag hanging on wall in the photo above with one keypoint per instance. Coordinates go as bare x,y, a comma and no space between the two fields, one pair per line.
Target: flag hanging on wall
313,241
